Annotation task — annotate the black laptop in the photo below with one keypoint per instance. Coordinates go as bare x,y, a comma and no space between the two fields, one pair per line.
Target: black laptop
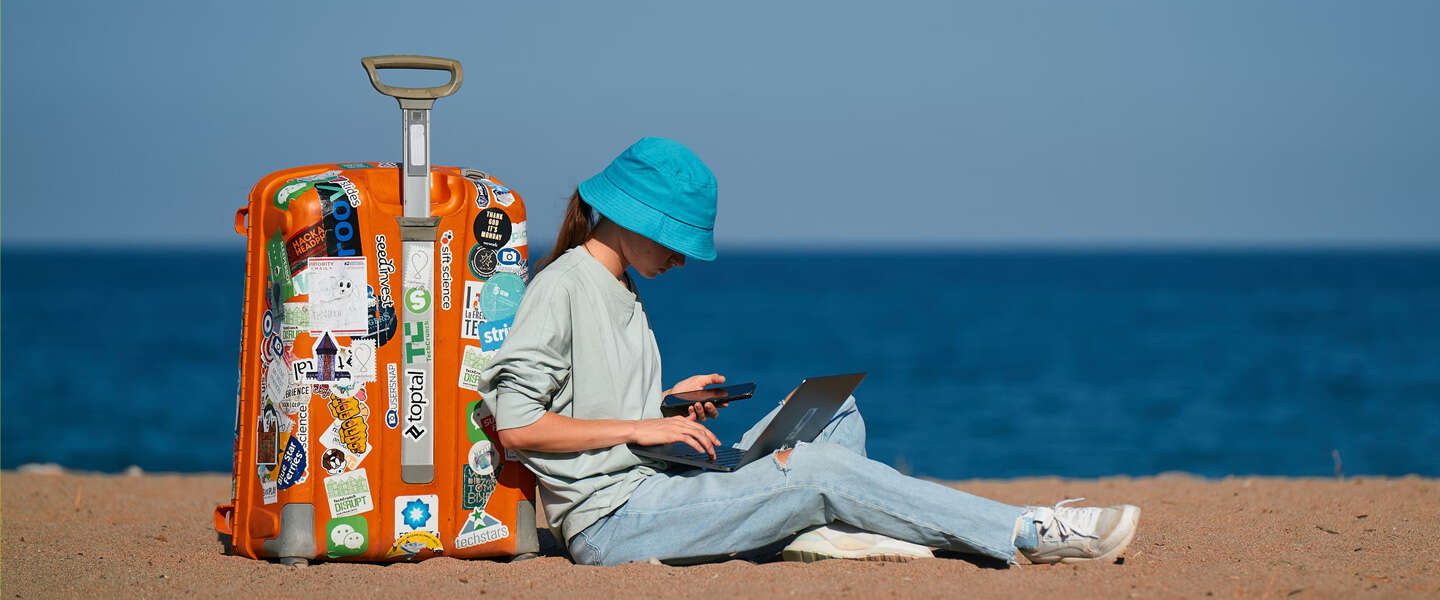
802,418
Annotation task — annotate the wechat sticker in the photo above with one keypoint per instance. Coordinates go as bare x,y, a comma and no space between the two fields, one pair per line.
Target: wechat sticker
346,536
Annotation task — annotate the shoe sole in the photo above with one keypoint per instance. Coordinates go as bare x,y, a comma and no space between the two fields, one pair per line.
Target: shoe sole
1130,519
809,557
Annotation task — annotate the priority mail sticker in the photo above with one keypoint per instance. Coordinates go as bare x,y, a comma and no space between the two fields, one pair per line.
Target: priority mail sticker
349,493
337,296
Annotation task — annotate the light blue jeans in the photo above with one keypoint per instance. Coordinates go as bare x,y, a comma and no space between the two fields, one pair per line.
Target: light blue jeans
696,515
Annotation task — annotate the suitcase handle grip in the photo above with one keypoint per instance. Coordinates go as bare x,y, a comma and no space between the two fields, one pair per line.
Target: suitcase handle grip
411,61
240,215
222,519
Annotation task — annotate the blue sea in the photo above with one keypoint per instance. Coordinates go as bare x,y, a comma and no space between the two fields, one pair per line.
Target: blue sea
981,364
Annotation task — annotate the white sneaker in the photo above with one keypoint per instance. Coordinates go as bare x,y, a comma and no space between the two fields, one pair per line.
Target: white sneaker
1076,534
838,540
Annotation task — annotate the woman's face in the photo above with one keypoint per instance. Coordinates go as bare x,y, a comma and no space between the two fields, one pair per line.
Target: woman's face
649,258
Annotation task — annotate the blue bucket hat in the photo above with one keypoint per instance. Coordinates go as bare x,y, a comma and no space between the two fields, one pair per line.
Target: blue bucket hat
658,188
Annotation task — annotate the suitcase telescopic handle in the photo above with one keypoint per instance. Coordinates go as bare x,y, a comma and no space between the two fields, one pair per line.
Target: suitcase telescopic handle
373,64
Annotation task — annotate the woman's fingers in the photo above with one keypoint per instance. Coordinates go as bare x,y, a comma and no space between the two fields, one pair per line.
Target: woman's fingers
702,437
710,410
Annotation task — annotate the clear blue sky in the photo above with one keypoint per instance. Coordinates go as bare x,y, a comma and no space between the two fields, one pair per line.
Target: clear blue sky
999,123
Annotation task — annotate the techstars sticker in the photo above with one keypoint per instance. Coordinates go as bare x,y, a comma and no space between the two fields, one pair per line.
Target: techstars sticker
481,528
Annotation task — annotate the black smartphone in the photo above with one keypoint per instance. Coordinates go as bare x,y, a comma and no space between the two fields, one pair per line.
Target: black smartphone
678,403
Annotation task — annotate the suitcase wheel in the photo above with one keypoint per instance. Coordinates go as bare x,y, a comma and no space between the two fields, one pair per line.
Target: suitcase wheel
294,561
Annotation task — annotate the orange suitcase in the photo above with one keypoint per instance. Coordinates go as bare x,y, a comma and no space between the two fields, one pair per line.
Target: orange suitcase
374,295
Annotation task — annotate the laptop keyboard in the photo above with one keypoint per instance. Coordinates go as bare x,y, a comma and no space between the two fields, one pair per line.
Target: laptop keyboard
724,455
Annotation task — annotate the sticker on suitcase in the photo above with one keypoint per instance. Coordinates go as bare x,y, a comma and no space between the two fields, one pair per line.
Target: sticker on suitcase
346,536
337,296
472,364
503,196
417,526
500,298
492,334
392,383
279,286
480,528
478,421
348,493
349,434
492,228
445,259
268,492
482,261
294,187
479,475
292,464
470,316
338,200
342,367
267,430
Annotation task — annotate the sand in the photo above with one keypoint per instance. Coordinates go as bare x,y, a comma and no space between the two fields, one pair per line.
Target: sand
68,534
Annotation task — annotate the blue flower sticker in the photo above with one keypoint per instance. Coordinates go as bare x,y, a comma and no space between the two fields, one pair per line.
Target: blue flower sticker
417,513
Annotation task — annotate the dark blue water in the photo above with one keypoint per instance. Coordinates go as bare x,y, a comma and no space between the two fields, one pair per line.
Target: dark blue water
980,364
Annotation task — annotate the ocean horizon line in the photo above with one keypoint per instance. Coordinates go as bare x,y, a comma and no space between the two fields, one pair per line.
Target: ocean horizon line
884,248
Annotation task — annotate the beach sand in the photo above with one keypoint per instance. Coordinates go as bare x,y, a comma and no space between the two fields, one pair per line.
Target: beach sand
68,535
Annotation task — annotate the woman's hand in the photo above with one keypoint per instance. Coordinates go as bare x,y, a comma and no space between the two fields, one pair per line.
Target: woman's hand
702,410
651,432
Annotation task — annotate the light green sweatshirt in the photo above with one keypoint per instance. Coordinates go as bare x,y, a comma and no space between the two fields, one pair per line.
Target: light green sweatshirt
580,346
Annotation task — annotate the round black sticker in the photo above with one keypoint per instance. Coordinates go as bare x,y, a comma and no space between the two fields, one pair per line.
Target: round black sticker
492,229
482,261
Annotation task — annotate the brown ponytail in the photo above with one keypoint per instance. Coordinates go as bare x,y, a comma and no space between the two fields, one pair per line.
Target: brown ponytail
574,229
